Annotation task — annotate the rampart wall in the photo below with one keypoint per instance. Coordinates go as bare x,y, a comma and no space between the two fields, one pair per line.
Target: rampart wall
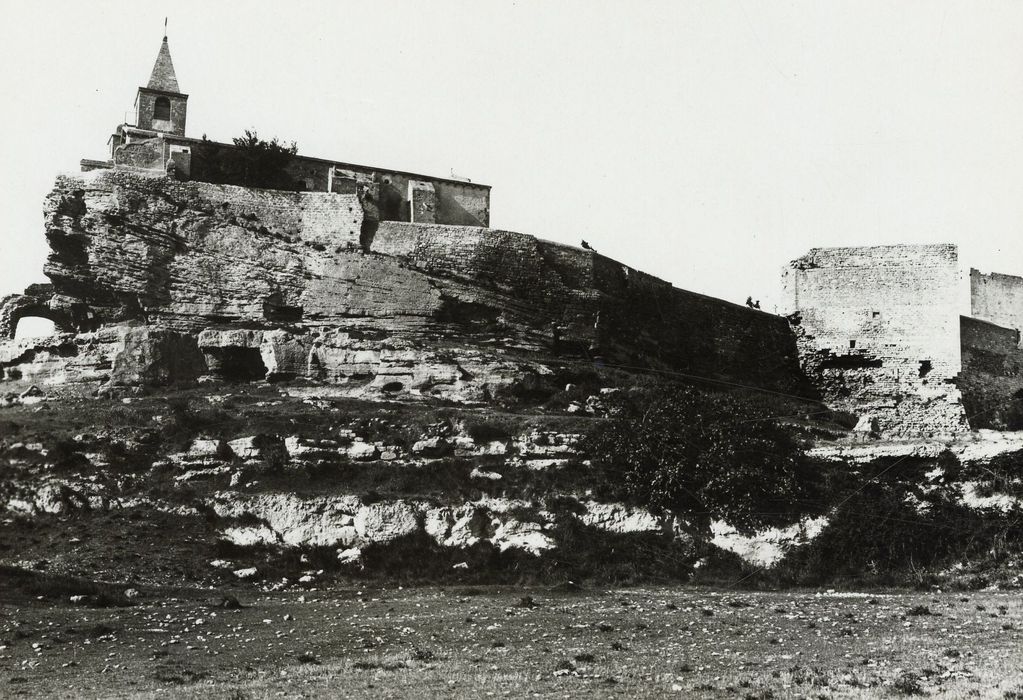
285,284
290,280
992,376
879,333
997,298
606,309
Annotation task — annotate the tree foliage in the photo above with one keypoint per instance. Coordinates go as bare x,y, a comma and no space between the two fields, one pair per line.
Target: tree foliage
1014,415
900,520
252,162
703,456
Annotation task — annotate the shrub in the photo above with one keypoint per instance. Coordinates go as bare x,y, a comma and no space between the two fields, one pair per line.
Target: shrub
1014,415
702,455
887,528
483,431
37,584
252,162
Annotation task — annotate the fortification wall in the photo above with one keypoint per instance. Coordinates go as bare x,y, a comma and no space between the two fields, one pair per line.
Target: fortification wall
879,333
997,298
605,309
390,195
992,376
284,284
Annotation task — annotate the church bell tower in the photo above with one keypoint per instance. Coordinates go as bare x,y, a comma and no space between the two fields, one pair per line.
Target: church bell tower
160,105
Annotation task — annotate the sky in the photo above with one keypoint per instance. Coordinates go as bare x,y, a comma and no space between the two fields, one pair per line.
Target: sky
705,142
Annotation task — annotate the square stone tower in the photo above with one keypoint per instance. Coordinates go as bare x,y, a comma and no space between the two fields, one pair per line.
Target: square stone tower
878,334
160,105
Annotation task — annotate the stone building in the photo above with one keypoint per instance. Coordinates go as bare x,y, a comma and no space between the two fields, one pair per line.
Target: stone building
992,348
997,299
878,331
880,334
156,142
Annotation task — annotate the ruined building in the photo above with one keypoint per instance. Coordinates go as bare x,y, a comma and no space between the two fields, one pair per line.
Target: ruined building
992,351
881,336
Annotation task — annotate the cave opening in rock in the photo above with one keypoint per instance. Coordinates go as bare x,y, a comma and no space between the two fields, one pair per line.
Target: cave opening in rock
242,364
275,309
34,327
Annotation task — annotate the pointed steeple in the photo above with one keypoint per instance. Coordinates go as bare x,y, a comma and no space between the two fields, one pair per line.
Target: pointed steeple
163,77
160,105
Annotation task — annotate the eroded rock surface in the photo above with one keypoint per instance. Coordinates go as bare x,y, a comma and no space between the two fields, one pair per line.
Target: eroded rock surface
251,284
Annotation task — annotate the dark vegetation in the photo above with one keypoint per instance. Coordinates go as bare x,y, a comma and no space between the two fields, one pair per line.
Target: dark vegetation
1014,416
589,554
704,456
18,583
891,529
891,525
740,458
253,162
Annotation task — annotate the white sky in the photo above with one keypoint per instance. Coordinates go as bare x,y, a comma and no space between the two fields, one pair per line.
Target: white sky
707,143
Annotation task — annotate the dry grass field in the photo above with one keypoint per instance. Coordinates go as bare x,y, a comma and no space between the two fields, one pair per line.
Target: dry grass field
514,642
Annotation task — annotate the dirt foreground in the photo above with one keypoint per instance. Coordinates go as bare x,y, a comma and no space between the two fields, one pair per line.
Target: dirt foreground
513,642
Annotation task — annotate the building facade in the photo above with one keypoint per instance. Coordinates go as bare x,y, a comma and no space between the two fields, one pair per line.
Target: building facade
157,143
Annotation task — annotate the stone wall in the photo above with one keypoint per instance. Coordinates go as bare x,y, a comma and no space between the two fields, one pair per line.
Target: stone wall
879,333
997,298
586,303
150,154
387,195
287,285
393,192
146,105
992,377
389,192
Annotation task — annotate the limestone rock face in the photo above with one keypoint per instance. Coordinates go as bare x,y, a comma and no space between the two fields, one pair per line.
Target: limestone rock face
156,357
290,520
111,356
471,525
383,522
615,517
527,536
272,285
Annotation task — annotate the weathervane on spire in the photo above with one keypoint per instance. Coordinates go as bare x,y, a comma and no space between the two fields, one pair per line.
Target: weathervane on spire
164,27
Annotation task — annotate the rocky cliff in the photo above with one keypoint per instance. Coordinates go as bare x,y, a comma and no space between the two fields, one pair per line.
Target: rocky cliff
253,284
250,383
178,298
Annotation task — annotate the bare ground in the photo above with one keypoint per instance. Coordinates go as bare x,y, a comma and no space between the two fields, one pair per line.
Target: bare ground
516,642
